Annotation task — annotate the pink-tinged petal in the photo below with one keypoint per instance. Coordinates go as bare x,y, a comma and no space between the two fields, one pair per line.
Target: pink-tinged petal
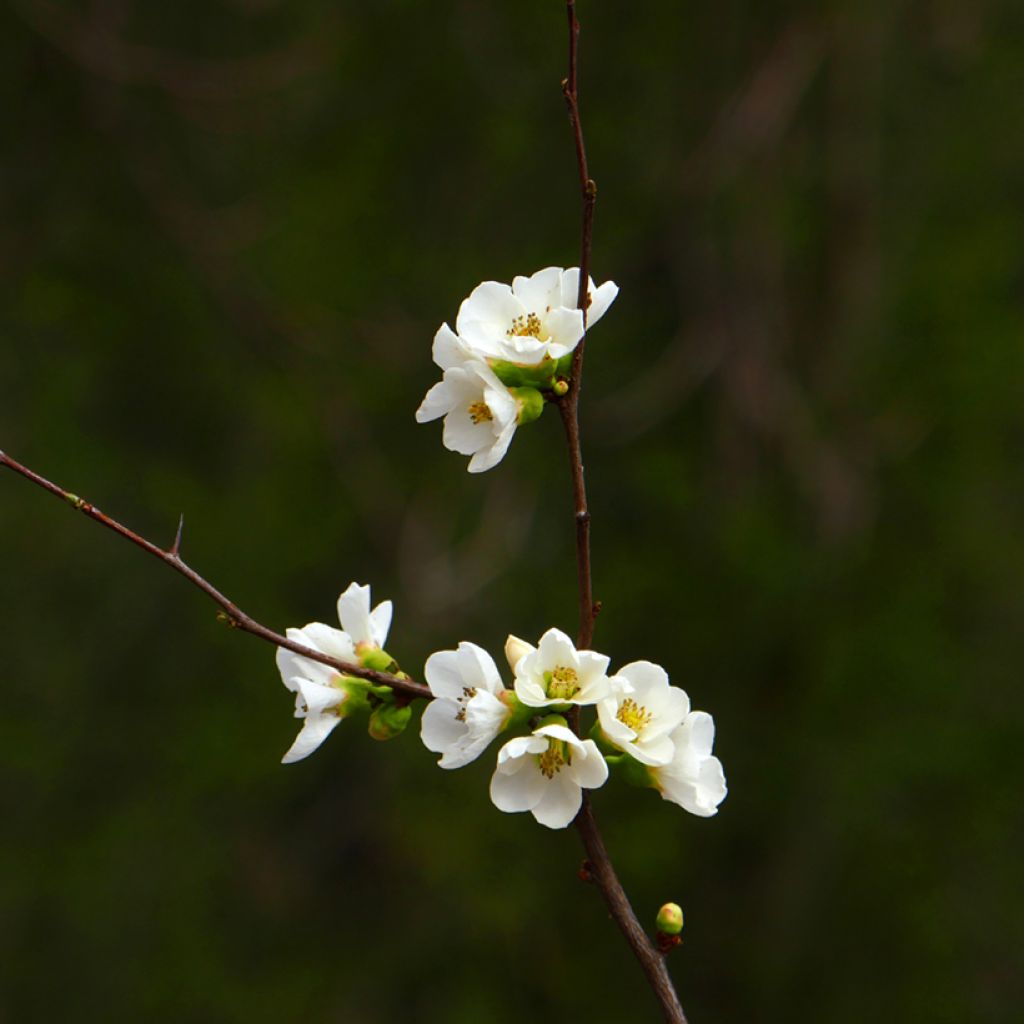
439,728
444,677
541,291
518,791
588,766
354,613
438,402
315,729
560,801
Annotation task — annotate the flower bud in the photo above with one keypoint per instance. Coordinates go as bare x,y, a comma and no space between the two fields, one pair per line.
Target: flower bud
515,650
375,658
388,721
670,919
561,387
531,404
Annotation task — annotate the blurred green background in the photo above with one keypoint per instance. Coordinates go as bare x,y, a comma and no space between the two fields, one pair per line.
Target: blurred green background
230,230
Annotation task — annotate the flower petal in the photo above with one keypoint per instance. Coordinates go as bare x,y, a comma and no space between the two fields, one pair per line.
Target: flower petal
315,729
444,676
354,613
541,291
560,801
589,767
439,728
517,791
449,349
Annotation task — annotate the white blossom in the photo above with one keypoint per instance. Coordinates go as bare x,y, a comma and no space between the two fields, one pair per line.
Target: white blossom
468,710
533,319
480,413
694,778
642,711
320,690
554,672
546,773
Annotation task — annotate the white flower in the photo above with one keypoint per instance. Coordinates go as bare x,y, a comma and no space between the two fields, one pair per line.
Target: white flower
320,690
694,778
546,773
642,711
556,673
480,413
534,319
468,711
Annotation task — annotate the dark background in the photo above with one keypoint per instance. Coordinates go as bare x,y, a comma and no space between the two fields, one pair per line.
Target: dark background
229,232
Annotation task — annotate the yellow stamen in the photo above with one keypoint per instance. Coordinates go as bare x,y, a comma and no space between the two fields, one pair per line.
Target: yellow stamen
564,683
634,715
480,413
552,760
526,327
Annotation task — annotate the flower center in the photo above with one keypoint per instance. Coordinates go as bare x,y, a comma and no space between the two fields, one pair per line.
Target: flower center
563,682
526,327
552,760
634,715
480,413
468,693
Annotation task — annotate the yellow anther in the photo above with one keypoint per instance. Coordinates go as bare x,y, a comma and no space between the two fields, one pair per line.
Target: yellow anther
480,413
634,715
564,683
525,327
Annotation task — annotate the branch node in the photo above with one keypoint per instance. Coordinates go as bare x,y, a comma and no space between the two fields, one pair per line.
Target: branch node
590,189
228,620
666,943
586,872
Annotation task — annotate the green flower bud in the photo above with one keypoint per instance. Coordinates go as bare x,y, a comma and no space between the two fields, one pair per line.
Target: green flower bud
633,773
388,721
670,919
531,404
560,387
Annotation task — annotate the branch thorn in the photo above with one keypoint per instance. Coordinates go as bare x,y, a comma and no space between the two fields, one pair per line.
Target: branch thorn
176,546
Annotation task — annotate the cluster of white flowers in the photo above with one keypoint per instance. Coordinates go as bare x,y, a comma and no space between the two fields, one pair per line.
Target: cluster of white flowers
510,346
511,351
645,724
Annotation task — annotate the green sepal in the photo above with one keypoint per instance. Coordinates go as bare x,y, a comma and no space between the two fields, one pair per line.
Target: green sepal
377,659
388,721
611,752
553,720
358,691
631,771
516,375
531,404
563,368
518,712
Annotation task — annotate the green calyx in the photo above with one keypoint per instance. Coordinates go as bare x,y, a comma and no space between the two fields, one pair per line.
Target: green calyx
515,375
388,721
377,659
531,404
518,712
631,771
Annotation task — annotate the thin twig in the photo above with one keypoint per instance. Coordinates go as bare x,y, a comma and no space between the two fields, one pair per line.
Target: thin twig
231,614
600,866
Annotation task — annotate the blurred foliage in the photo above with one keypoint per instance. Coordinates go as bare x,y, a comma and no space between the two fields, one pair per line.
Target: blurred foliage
230,231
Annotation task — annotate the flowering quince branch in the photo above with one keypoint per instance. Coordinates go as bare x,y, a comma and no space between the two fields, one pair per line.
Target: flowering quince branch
515,349
406,689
